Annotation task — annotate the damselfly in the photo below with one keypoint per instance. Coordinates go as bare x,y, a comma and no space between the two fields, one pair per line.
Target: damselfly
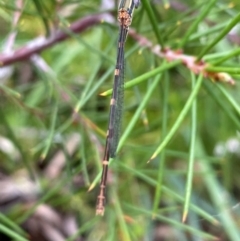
125,13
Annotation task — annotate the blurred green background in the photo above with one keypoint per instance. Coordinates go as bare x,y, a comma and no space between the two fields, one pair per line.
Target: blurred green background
53,122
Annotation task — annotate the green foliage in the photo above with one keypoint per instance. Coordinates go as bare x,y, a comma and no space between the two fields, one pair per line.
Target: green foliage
176,174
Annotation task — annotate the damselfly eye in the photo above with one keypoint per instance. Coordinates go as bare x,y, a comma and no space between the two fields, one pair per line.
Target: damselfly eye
136,3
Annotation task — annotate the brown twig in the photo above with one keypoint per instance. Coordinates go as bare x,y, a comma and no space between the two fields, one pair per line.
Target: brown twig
189,61
42,43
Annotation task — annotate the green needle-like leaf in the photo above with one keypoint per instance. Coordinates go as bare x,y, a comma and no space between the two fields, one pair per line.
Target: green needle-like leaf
223,33
145,76
196,22
191,156
152,18
179,119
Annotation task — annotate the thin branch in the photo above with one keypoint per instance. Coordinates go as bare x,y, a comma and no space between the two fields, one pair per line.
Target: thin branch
189,61
41,43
